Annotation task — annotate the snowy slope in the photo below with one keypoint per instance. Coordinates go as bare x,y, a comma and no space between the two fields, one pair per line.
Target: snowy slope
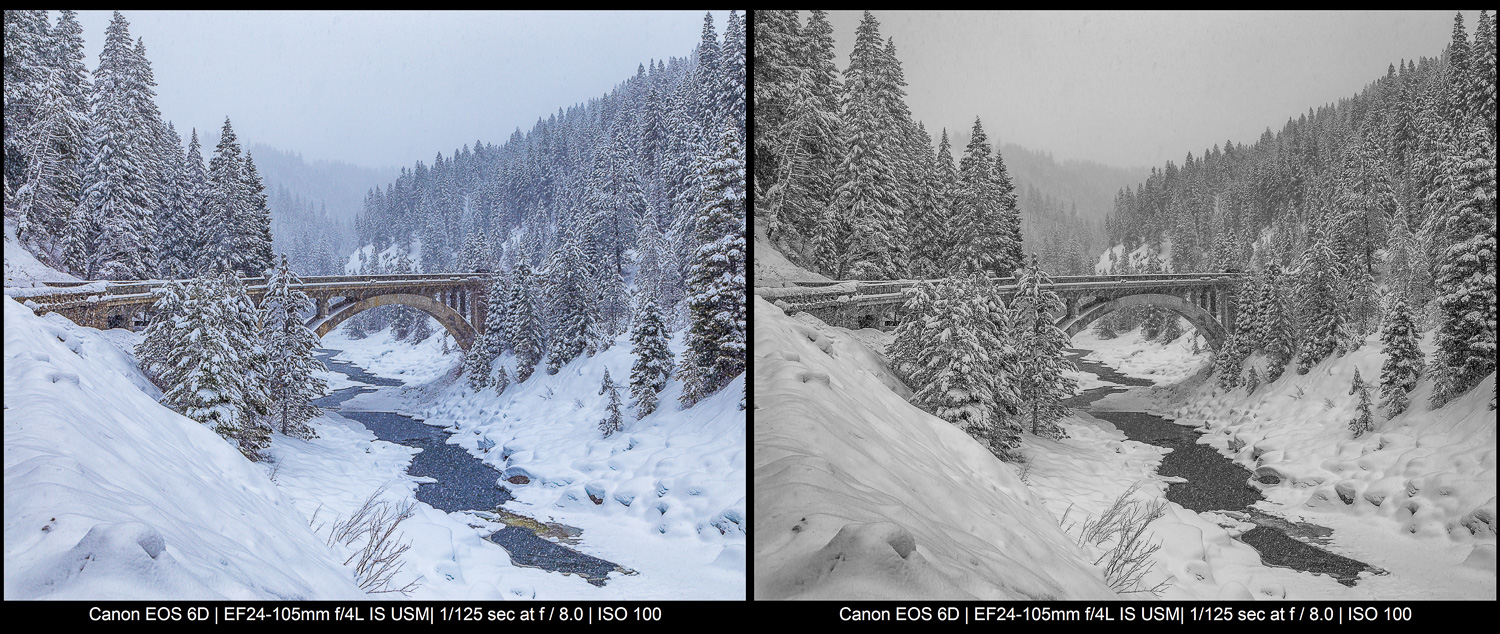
22,268
670,489
110,495
389,255
1416,496
862,496
1138,258
772,268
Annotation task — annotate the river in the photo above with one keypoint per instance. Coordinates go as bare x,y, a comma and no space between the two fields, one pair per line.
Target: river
1217,483
464,482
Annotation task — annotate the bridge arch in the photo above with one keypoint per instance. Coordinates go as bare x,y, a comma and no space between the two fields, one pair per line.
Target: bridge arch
451,319
1201,319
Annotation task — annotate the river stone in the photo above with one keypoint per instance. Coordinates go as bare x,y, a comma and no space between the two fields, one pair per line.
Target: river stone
1267,475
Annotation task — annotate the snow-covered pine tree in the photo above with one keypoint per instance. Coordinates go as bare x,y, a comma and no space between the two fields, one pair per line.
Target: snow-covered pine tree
26,37
1362,421
1228,363
497,316
225,207
568,289
731,93
1321,281
653,359
118,194
868,202
154,352
477,363
197,203
613,422
1007,226
1403,359
1277,334
1466,276
1041,381
47,202
291,367
502,380
716,283
976,207
524,329
242,325
253,229
200,368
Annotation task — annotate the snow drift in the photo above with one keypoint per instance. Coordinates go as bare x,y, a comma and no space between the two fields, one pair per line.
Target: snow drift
109,495
860,495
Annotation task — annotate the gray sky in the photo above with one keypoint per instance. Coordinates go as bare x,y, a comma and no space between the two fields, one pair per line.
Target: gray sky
1139,88
384,89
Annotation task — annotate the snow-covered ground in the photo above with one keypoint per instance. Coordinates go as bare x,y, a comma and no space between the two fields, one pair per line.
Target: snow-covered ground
672,485
1132,355
110,495
847,470
22,268
389,256
772,269
1415,497
860,495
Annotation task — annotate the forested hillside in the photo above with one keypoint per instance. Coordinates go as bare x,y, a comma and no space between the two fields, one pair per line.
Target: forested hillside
99,186
1377,210
643,187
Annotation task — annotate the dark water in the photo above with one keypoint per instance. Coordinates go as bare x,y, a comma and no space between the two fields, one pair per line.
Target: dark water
464,482
526,549
1216,483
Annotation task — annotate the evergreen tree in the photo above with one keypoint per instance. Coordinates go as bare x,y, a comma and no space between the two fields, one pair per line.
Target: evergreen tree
1466,277
477,363
292,369
613,422
226,206
867,199
253,228
1362,421
46,204
573,326
653,359
1042,383
502,380
119,195
1403,360
523,329
496,317
1320,290
716,283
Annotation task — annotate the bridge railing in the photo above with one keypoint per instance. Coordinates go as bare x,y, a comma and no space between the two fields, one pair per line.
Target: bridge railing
813,294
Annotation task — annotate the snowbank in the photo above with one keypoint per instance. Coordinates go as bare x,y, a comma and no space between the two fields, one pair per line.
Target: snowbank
1423,481
772,269
382,355
862,496
1132,355
22,268
109,495
665,497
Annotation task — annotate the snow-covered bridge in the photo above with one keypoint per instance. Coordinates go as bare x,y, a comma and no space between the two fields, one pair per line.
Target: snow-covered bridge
456,300
1207,300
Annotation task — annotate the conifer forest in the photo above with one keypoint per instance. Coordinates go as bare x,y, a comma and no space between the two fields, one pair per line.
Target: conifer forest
1261,369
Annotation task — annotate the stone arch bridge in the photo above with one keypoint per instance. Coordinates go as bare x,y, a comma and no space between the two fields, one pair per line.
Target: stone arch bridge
456,300
1206,300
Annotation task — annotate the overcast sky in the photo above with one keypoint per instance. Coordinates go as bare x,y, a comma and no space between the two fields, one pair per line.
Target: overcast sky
384,89
1138,89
